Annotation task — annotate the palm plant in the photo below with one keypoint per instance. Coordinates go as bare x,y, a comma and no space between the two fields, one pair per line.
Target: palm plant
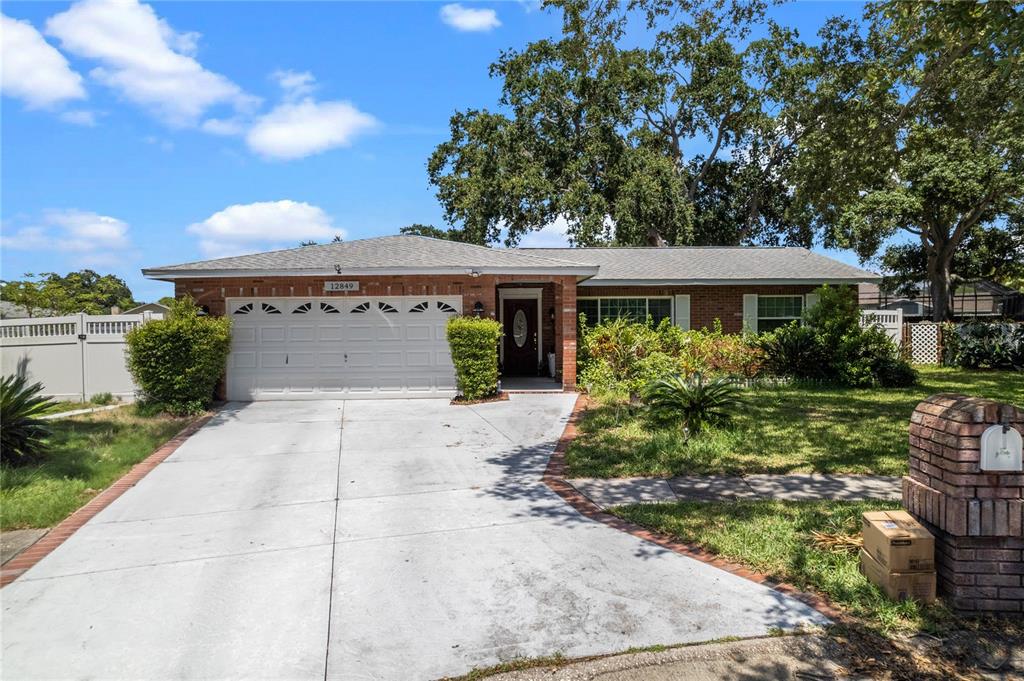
22,434
694,402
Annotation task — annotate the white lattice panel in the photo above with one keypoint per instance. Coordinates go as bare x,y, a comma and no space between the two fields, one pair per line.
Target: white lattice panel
924,343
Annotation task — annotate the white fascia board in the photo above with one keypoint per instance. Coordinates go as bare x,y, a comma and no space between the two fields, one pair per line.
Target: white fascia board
728,282
171,275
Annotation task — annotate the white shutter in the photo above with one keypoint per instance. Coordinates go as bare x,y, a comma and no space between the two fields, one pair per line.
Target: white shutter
683,311
750,312
810,300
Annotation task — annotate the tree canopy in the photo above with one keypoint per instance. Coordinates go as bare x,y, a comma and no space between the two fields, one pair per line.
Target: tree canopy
82,291
705,122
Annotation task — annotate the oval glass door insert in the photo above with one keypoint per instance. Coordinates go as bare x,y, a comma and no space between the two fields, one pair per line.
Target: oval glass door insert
519,328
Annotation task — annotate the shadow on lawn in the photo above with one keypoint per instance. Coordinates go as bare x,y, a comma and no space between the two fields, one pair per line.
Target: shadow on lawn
72,453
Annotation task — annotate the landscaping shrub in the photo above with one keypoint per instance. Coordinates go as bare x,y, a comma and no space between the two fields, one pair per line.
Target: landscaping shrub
102,399
834,346
177,361
693,402
624,356
474,345
22,434
979,344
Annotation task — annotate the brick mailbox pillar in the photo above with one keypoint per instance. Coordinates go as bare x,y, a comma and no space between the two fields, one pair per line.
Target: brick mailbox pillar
976,515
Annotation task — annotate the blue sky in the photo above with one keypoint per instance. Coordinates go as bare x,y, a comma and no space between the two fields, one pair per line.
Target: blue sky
136,135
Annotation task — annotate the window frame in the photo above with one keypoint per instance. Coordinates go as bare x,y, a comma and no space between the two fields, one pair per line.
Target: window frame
787,319
647,306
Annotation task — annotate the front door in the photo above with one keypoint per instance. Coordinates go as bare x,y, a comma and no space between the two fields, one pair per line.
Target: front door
519,317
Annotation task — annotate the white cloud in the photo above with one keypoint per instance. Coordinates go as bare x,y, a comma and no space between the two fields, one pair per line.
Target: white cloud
145,60
297,129
243,228
554,235
469,19
295,84
79,117
33,70
74,231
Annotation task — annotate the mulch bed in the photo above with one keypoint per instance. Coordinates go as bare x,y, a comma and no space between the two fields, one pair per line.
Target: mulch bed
500,397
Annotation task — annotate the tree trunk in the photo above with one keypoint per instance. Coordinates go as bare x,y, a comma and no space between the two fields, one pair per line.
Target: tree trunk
940,280
654,238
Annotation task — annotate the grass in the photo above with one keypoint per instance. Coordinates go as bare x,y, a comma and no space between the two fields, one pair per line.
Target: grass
880,635
773,537
779,429
89,452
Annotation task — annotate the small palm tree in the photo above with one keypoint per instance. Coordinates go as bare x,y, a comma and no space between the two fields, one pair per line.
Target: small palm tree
695,403
22,434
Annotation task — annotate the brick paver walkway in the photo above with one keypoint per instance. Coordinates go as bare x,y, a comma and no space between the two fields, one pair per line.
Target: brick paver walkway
792,487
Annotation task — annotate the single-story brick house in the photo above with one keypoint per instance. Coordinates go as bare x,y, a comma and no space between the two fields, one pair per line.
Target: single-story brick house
367,317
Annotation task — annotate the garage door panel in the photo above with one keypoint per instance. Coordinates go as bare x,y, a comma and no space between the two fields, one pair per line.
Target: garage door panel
244,360
301,360
273,360
331,333
301,334
395,346
330,360
272,334
360,332
418,358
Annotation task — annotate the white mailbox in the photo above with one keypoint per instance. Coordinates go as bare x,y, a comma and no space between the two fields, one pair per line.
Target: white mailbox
1001,449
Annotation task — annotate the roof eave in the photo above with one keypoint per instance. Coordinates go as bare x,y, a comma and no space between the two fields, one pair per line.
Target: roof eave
162,274
803,281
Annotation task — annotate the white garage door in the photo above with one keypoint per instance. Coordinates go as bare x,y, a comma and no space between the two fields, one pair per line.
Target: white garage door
337,348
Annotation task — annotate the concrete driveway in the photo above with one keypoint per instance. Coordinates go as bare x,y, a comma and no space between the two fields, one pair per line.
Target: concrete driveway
360,540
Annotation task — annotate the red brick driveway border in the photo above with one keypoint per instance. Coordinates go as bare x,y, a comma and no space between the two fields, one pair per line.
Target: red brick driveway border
554,478
17,566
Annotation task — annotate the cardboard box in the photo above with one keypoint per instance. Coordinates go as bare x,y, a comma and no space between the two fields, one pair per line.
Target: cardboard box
899,586
898,542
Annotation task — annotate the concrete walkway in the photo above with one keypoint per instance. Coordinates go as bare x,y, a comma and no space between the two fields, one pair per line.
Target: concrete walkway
608,492
391,539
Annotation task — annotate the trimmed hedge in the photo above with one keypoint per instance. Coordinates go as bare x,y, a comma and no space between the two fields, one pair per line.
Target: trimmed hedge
474,346
178,360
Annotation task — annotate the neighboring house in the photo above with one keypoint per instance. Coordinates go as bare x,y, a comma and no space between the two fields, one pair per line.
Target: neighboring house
155,308
978,299
367,317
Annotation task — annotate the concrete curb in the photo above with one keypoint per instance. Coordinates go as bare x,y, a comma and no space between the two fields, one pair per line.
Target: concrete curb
554,478
17,566
79,412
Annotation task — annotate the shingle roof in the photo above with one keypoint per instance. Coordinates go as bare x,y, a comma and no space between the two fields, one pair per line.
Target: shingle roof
392,253
708,265
410,254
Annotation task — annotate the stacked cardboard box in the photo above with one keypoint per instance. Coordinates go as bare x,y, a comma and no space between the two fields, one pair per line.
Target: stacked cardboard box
898,555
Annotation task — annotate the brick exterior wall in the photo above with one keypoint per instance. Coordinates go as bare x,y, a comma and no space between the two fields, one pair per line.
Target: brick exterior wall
213,292
707,303
977,516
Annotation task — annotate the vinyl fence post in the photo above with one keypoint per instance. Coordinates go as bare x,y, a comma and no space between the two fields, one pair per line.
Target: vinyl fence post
81,347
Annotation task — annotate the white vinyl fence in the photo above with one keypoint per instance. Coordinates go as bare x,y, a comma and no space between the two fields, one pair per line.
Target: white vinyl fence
890,321
74,357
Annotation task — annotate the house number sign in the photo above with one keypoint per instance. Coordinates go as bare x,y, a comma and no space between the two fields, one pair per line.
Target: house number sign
341,286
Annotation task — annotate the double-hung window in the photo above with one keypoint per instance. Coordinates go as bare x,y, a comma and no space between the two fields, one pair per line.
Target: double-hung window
637,309
776,311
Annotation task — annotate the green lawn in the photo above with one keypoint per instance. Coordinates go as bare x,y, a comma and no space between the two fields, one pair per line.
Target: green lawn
879,636
89,453
778,430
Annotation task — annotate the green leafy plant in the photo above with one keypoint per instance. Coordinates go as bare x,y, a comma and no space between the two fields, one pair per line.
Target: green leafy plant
695,403
178,360
624,356
833,345
980,344
102,399
474,346
22,434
